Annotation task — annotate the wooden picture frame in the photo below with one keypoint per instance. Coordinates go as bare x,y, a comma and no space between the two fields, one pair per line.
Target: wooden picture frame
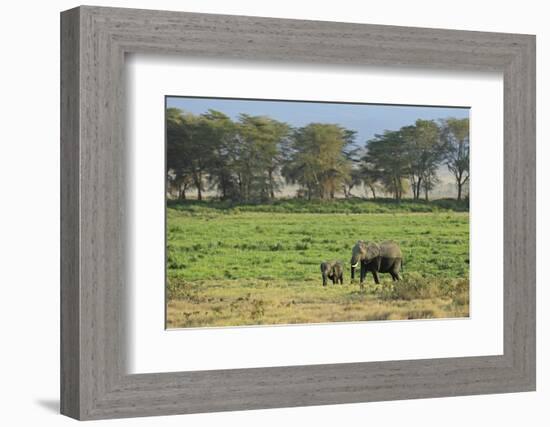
94,382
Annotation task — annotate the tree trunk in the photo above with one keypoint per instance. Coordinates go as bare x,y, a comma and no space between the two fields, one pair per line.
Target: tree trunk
223,186
271,189
199,186
459,185
415,187
224,190
240,184
397,189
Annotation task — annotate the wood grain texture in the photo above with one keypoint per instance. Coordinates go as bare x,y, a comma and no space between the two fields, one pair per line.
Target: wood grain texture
94,382
70,221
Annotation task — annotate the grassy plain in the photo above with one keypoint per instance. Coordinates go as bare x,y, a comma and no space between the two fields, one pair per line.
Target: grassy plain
231,265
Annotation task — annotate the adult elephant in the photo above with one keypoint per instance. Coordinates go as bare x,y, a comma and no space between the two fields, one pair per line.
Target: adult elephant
385,257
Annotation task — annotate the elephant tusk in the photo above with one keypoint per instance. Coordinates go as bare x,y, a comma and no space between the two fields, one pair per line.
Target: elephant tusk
355,265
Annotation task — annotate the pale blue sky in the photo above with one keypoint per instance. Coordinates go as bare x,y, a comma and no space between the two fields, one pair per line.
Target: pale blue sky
366,119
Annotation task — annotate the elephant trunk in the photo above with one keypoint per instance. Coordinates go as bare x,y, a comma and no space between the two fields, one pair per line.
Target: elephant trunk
324,279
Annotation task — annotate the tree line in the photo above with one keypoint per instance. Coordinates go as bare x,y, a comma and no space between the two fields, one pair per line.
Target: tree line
249,159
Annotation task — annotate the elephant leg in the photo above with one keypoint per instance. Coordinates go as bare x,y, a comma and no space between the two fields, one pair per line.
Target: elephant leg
363,272
333,280
397,269
395,273
342,279
375,277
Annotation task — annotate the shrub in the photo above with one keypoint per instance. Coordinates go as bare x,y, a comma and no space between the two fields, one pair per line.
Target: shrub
177,288
276,247
354,205
413,286
416,286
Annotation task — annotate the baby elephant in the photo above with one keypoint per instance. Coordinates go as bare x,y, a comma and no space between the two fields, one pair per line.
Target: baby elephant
334,270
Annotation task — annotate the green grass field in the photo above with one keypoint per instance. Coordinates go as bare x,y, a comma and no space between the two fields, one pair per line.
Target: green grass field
259,264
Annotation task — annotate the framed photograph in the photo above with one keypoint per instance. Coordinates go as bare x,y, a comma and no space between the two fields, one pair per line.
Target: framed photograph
262,213
267,197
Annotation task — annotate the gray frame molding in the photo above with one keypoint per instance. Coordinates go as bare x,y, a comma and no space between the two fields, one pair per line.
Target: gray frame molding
94,382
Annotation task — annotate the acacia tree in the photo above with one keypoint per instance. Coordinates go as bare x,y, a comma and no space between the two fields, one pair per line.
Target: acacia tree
388,157
190,148
369,177
196,146
317,159
222,135
429,181
456,135
179,150
354,178
425,152
261,155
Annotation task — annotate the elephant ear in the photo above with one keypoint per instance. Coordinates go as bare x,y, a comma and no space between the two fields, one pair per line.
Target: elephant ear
373,251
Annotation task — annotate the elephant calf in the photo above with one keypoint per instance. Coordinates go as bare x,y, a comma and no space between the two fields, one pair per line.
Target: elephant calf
385,257
333,270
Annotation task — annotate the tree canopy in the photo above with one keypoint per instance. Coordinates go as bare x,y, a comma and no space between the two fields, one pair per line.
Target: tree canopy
456,135
252,157
317,159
